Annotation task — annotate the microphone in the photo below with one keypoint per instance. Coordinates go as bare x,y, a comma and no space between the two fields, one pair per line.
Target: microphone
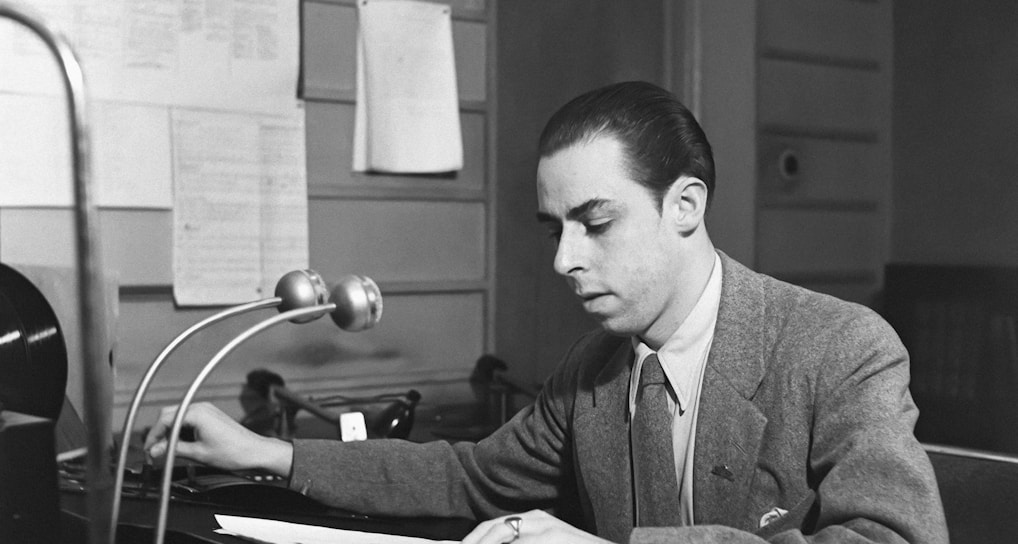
296,289
358,303
355,304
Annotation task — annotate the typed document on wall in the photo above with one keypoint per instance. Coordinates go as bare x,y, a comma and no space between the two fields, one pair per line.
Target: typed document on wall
240,205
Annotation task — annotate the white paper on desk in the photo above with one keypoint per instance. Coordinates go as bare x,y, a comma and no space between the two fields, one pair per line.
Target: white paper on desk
281,532
407,112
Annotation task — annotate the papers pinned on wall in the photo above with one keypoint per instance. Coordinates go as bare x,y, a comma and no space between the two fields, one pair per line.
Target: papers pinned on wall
240,205
226,54
141,59
407,113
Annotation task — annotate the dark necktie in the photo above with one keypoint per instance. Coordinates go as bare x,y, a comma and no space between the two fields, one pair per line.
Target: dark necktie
657,492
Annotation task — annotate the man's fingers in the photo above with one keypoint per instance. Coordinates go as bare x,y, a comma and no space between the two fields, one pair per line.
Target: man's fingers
495,531
161,429
482,533
156,449
155,434
190,450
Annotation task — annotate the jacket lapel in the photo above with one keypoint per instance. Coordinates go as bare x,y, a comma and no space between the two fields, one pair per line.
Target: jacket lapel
729,427
603,436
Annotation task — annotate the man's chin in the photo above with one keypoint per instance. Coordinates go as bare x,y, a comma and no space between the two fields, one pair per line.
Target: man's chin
615,326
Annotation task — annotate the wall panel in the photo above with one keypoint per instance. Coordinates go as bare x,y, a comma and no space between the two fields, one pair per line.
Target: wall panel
469,46
955,120
330,151
397,240
842,31
37,236
822,171
136,244
330,48
824,159
824,98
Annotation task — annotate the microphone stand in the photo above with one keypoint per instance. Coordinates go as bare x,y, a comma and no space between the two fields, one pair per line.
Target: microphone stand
91,303
296,289
146,380
297,315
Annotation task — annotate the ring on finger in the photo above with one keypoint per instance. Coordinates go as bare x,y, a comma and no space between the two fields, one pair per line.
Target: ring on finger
514,523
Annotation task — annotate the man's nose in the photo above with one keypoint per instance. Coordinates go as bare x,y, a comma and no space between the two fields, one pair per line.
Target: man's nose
568,254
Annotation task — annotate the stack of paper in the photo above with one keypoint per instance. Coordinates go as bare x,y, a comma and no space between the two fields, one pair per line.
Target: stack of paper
281,532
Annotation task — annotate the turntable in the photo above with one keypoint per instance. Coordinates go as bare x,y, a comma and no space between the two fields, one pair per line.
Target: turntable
33,378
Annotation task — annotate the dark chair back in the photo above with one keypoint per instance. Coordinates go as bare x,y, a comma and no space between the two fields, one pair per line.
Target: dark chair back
980,494
960,325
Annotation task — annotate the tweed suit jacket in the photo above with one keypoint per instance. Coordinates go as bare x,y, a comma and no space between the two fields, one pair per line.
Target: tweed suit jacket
804,434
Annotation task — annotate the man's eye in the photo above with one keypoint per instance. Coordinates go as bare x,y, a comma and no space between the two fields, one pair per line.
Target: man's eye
597,227
554,234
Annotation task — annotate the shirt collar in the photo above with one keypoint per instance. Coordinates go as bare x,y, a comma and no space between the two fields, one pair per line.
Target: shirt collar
683,353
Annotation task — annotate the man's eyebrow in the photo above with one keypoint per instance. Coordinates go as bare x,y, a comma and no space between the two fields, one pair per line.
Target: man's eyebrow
578,212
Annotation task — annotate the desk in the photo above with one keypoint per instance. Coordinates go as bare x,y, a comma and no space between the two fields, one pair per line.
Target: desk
193,523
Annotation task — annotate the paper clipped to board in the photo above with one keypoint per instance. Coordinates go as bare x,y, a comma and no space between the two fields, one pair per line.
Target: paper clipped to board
407,113
282,532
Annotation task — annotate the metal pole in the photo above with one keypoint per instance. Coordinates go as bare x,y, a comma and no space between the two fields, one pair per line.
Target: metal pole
91,302
146,381
173,437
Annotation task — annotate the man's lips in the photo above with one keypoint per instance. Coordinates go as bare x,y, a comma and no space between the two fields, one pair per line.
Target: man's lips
586,297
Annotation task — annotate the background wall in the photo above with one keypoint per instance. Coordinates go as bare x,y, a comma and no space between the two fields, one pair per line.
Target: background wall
549,52
824,136
956,131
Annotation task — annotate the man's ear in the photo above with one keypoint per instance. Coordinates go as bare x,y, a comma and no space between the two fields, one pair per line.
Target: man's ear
686,203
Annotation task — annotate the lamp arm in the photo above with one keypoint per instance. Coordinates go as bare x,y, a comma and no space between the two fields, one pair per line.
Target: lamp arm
178,420
90,300
146,381
306,404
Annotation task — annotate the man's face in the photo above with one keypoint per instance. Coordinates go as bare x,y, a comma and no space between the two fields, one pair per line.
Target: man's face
620,255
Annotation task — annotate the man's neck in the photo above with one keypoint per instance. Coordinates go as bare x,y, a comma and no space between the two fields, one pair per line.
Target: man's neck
694,278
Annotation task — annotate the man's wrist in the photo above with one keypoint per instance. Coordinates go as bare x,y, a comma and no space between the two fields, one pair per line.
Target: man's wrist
276,456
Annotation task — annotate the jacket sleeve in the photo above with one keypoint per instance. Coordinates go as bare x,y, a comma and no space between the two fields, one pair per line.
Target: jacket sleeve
520,466
876,483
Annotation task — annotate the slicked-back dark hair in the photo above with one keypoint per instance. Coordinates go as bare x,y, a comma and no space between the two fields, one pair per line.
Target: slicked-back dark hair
661,138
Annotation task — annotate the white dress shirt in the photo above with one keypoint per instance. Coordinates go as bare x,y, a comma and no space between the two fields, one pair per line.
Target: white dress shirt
684,358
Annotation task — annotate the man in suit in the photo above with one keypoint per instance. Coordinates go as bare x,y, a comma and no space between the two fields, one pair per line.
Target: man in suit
715,404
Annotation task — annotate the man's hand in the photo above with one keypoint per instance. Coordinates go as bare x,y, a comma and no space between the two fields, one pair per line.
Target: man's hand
220,441
534,526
